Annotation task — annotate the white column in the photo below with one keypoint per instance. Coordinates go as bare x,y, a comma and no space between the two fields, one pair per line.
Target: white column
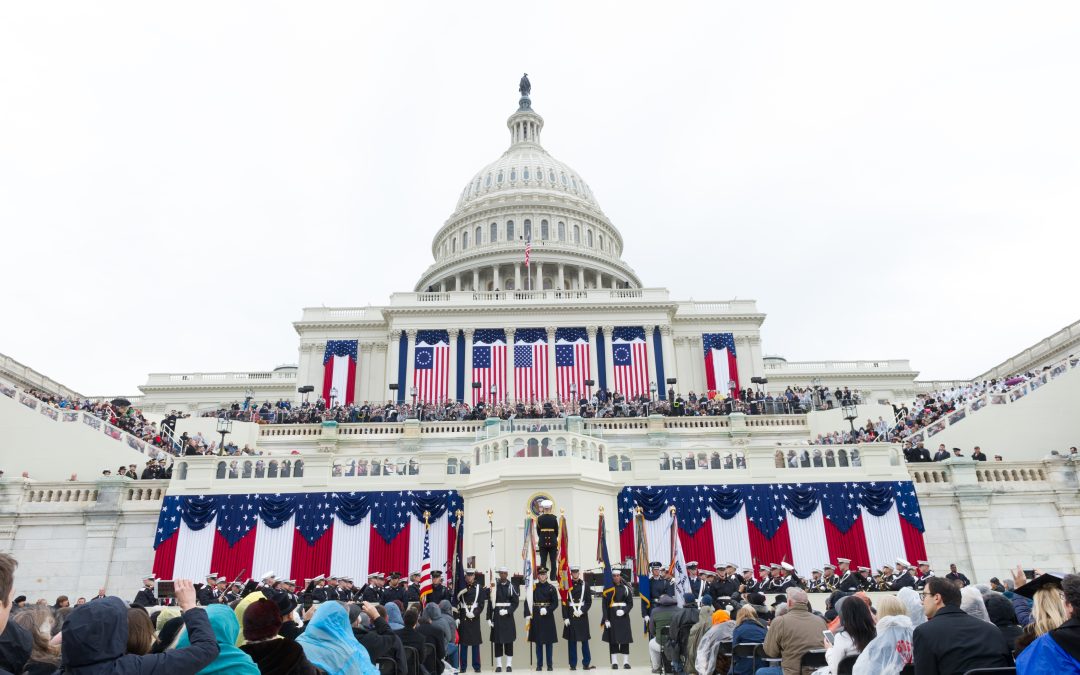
452,383
510,361
599,279
393,355
410,364
377,389
457,282
697,365
539,285
581,278
650,358
467,394
593,373
517,277
609,361
671,369
475,279
561,279
362,392
496,282
553,388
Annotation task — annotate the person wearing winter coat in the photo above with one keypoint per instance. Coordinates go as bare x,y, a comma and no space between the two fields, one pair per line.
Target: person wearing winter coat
749,629
890,651
273,654
697,631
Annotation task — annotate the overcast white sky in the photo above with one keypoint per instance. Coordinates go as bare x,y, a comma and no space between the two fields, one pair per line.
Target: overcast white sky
887,180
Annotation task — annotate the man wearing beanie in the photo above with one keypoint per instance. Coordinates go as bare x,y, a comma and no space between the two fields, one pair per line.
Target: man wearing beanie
273,654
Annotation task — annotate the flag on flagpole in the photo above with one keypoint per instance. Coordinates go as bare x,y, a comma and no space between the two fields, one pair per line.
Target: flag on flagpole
528,250
563,573
528,557
605,562
641,563
457,566
425,566
677,568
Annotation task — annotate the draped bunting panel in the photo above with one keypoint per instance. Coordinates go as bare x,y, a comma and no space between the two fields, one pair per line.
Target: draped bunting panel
339,371
806,524
301,535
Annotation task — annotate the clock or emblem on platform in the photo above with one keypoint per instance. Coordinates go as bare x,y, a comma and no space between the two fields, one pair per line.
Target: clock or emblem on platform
533,505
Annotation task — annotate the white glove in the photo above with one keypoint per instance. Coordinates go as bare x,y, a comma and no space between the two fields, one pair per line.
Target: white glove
646,618
491,623
543,611
566,622
619,612
457,622
607,624
577,613
502,612
470,615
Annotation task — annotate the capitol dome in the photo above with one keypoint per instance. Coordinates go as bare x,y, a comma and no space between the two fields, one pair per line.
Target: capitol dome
526,195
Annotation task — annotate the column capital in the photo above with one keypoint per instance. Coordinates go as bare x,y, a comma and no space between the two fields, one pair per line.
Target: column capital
510,330
695,340
469,333
318,347
393,336
590,331
608,329
411,334
665,330
550,332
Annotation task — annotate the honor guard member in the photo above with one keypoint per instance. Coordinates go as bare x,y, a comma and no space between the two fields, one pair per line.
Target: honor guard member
658,586
763,578
749,584
829,578
220,590
816,584
697,583
849,580
924,575
865,583
500,616
371,591
205,595
470,602
333,588
320,593
439,591
772,584
266,584
903,577
395,590
412,591
232,594
345,590
575,613
789,577
542,633
145,597
547,529
884,578
616,612
725,585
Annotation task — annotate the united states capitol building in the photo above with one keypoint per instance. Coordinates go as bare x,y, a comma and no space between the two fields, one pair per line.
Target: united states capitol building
586,322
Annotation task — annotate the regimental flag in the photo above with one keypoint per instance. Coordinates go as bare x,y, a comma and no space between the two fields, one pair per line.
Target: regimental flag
641,564
457,567
431,372
530,364
677,567
528,561
602,554
572,367
630,359
339,371
563,573
301,535
807,524
489,364
425,566
721,368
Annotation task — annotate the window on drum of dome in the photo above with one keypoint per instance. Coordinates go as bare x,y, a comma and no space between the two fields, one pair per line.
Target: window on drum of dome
601,243
577,234
544,233
494,233
551,175
499,178
539,175
589,239
573,181
487,183
562,231
479,235
453,245
513,175
510,230
464,240
528,229
525,173
563,179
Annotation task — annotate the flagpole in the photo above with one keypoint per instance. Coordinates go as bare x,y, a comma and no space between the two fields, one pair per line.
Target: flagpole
491,570
427,530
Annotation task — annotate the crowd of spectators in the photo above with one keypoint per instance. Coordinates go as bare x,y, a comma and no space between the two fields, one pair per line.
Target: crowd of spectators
116,412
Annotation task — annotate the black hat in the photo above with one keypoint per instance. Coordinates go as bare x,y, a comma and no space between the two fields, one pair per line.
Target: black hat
655,565
541,570
1045,580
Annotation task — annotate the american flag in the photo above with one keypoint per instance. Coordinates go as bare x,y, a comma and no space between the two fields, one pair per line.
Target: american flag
489,364
572,363
530,364
629,356
528,250
431,376
425,566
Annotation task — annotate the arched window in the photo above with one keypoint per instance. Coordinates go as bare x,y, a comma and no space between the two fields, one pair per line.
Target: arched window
453,245
601,243
561,231
499,178
589,239
577,234
494,233
487,182
528,229
525,173
479,235
464,240
510,231
513,175
544,233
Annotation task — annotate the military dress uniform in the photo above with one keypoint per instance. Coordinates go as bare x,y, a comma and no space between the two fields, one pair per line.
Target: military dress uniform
391,593
547,532
205,595
371,593
500,615
617,630
542,633
439,592
412,593
145,598
470,602
904,580
575,613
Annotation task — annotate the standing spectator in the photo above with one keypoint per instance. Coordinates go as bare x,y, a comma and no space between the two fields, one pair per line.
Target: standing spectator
942,454
793,634
953,641
978,455
957,577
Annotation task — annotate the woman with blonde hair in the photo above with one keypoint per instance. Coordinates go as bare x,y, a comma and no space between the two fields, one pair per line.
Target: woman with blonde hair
44,656
1047,614
749,629
890,651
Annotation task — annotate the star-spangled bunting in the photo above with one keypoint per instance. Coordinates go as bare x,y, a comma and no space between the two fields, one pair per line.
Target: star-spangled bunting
168,519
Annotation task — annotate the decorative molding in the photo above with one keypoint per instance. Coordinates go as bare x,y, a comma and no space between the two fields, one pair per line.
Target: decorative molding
469,332
411,334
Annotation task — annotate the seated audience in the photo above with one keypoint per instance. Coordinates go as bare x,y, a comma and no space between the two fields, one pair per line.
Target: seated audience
329,643
273,654
953,641
1003,616
697,631
708,658
1047,611
231,660
856,632
793,634
434,634
749,629
140,632
410,637
890,650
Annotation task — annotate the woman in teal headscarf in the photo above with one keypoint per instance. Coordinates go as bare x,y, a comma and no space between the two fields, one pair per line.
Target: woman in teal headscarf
230,659
329,643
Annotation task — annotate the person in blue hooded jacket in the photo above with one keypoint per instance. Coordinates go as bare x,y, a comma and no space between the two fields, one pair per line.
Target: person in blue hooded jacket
1057,651
95,638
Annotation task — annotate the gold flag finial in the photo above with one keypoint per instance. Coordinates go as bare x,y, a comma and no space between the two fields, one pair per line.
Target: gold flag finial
491,514
427,515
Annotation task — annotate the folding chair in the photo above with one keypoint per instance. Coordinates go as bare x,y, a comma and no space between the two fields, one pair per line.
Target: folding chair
812,660
845,666
1010,670
412,660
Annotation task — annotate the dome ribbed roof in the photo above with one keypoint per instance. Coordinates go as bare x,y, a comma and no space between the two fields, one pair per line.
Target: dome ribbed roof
527,167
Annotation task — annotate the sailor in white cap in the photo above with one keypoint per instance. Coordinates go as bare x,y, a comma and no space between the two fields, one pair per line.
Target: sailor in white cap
829,578
696,582
815,584
547,533
500,617
145,597
205,595
923,576
266,583
903,577
849,581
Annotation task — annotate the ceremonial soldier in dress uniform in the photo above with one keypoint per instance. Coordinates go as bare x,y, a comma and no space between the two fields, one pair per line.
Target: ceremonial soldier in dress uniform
233,593
903,577
439,591
371,591
788,577
697,583
924,575
725,583
470,601
500,616
575,613
220,590
774,584
616,612
345,590
145,597
318,589
849,580
547,531
395,591
658,586
884,578
542,633
829,578
205,595
865,583
266,585
748,584
763,578
412,590
816,584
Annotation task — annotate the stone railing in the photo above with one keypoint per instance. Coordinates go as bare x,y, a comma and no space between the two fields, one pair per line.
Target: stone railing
586,296
957,472
123,490
27,377
1057,346
802,367
284,376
